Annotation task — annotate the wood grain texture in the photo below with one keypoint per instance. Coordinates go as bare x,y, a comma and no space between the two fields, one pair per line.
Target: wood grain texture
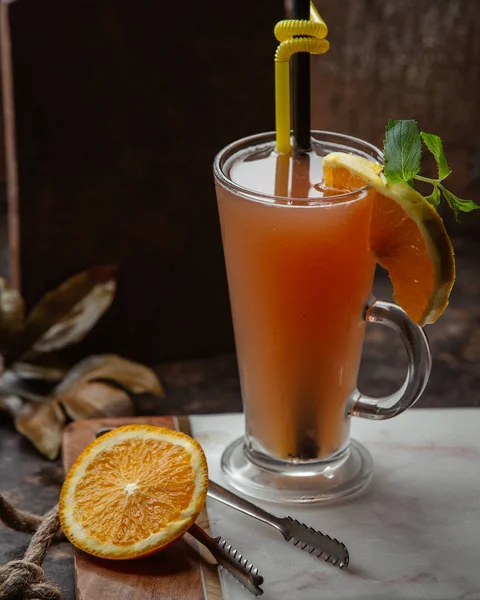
177,573
9,202
388,59
120,112
415,59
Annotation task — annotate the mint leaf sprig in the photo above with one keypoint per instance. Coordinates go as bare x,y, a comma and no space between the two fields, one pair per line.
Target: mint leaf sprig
402,152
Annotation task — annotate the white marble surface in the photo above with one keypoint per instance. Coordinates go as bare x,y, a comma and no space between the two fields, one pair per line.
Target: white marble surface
413,534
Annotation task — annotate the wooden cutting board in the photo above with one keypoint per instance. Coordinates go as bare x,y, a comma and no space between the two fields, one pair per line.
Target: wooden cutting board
183,571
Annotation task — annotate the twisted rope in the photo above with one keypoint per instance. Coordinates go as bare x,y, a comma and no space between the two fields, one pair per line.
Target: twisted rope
24,579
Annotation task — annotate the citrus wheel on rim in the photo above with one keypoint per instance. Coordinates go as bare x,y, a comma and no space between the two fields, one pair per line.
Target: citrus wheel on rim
407,236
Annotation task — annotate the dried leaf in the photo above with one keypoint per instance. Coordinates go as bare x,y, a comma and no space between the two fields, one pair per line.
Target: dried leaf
11,404
43,425
65,315
82,398
144,403
12,315
27,389
94,400
42,372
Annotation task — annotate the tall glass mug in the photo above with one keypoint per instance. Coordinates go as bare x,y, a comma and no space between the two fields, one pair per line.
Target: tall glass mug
300,277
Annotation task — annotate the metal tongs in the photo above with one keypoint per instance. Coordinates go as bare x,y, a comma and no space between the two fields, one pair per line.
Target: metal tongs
230,559
306,538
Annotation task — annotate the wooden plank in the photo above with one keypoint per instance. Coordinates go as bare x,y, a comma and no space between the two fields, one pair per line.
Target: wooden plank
417,59
121,107
10,231
183,571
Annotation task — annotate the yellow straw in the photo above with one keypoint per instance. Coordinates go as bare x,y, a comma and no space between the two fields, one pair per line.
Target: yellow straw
316,30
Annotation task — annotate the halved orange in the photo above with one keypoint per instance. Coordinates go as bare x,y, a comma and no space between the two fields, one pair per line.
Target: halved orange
407,236
133,491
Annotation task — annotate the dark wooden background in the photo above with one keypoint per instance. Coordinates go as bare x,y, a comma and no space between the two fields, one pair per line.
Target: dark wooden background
119,112
120,109
414,59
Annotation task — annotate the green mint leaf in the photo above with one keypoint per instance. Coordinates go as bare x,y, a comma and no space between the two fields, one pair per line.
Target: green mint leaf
434,144
458,204
434,197
451,202
402,150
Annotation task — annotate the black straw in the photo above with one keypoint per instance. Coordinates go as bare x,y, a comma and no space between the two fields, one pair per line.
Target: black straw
301,86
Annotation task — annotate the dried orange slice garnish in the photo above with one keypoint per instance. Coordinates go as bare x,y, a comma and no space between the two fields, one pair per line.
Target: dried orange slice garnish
133,491
407,236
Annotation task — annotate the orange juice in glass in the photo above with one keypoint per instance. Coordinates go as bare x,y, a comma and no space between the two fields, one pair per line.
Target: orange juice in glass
300,277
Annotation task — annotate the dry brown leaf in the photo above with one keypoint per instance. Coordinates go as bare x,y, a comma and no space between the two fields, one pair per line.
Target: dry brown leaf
42,423
66,314
28,348
11,404
84,399
94,400
38,372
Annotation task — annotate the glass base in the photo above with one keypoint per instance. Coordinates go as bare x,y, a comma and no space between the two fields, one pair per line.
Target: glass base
316,481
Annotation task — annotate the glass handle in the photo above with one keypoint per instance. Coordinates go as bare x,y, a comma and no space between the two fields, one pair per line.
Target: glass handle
419,364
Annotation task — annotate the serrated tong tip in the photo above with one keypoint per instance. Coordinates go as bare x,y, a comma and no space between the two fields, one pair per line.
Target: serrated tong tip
315,542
